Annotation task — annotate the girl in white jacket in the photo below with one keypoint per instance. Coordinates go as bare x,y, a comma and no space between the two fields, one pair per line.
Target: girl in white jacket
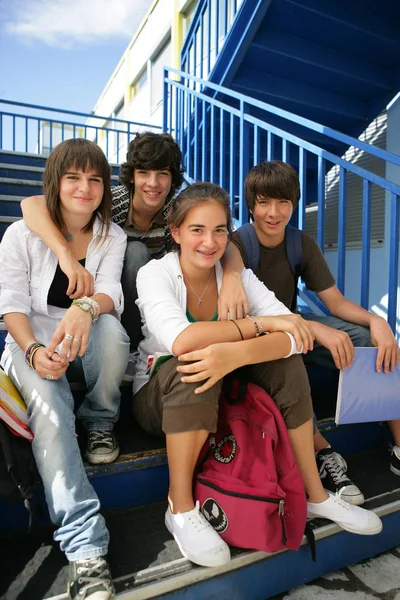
178,298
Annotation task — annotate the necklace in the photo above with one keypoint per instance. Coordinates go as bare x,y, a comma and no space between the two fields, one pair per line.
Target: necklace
200,298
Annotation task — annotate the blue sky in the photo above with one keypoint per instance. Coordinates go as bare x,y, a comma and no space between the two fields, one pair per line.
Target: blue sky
61,53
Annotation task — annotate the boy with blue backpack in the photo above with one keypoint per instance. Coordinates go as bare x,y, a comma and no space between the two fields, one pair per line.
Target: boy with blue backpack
279,255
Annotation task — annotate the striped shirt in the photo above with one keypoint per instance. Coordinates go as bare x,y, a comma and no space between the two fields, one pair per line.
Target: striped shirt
157,238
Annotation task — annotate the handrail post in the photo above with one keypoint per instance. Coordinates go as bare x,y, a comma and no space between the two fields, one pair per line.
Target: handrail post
165,101
342,229
321,203
366,244
243,163
393,261
301,219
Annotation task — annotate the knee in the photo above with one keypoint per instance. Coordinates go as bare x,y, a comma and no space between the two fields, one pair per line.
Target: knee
109,339
109,332
48,412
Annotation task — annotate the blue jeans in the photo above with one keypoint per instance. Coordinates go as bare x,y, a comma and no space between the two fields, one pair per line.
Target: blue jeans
136,256
320,356
72,502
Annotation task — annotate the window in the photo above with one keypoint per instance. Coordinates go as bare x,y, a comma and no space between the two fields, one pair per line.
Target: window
157,74
139,83
374,134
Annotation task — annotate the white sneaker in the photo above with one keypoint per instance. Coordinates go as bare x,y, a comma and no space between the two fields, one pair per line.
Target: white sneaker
349,517
196,538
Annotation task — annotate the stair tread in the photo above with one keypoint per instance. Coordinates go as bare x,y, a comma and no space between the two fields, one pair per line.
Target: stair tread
141,549
17,181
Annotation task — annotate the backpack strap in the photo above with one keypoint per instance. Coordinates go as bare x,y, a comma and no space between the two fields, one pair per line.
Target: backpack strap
294,253
251,245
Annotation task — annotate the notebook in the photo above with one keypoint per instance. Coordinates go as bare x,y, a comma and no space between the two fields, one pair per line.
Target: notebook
16,426
365,395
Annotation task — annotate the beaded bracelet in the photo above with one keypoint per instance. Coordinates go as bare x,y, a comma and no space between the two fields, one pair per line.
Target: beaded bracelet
88,305
257,324
30,353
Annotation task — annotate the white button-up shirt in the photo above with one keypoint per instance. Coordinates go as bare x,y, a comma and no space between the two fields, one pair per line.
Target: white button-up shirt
28,266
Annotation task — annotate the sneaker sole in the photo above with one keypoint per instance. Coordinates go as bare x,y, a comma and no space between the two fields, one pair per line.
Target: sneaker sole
375,531
95,459
394,470
127,379
355,500
195,560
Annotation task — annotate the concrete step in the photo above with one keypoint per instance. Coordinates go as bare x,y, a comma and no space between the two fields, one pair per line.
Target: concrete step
20,187
22,158
15,171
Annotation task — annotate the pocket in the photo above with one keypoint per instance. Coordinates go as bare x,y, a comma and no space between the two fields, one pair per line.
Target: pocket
244,516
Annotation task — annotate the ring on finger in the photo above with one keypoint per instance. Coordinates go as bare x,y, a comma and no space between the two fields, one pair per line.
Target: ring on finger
68,336
77,340
50,377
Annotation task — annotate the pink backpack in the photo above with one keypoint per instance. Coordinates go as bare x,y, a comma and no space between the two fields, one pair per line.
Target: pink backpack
248,484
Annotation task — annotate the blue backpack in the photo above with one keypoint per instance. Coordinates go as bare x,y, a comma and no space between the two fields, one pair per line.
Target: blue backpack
294,251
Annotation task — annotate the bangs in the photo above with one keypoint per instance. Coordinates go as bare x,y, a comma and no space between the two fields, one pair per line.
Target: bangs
272,189
83,157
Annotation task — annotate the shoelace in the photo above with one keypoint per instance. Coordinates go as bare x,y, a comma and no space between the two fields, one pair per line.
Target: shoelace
198,520
133,357
338,499
101,437
92,573
336,465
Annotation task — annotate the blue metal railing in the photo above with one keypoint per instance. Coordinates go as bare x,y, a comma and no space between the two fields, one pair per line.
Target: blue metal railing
220,142
40,131
211,23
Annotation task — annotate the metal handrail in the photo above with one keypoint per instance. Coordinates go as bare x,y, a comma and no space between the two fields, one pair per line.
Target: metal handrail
219,141
41,133
78,114
291,117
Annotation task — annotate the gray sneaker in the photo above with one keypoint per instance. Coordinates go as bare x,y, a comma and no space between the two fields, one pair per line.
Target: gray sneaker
332,469
90,579
102,447
130,368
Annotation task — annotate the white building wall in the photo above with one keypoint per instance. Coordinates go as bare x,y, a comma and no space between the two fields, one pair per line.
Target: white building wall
153,36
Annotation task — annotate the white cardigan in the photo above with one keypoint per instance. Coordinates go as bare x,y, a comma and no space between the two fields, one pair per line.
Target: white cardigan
162,301
27,268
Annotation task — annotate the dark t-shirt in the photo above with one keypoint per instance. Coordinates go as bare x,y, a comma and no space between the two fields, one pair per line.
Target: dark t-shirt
274,270
57,295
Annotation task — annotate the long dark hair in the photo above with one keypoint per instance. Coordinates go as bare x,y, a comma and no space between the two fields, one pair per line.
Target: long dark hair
80,155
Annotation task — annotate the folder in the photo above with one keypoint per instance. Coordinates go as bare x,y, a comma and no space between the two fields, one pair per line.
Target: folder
11,399
364,395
